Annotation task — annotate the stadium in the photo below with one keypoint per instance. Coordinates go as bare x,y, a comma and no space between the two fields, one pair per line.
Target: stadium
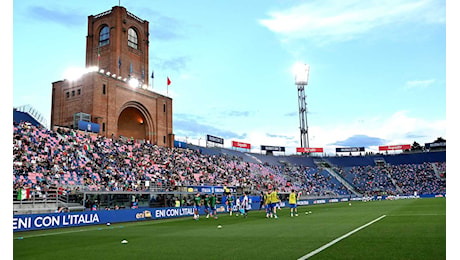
108,179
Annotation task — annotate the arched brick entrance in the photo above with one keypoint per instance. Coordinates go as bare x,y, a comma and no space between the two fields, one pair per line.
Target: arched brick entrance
134,121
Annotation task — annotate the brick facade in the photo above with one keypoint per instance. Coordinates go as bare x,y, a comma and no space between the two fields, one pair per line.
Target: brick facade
105,93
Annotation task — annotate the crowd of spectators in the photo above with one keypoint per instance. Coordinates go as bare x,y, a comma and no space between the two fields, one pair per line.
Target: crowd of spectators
78,161
370,180
403,179
417,178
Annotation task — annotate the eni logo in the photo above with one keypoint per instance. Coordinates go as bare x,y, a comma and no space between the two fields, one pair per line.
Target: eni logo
145,214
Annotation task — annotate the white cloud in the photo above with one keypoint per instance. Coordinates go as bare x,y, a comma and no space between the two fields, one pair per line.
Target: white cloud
335,20
259,137
399,128
419,83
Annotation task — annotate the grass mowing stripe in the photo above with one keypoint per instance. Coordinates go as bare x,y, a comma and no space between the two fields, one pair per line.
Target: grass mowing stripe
415,215
147,222
316,251
418,234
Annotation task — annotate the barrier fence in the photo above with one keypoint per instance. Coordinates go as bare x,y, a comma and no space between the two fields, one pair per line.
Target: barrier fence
27,222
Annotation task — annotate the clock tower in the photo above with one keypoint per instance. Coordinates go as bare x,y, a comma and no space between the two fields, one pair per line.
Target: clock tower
112,97
118,42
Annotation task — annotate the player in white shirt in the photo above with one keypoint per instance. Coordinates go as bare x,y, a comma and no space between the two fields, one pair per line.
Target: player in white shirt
238,206
245,205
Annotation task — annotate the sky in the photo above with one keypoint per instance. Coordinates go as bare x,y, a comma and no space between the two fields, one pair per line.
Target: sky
377,68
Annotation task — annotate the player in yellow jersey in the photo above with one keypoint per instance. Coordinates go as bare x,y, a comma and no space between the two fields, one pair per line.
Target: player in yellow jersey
274,201
267,202
293,203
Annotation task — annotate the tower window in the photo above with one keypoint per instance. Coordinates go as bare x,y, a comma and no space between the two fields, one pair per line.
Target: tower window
132,38
104,36
103,89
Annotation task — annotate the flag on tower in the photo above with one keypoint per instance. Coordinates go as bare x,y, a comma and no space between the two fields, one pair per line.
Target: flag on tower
169,82
152,74
98,56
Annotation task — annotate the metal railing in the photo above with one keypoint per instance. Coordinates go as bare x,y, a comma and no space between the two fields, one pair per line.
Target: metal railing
46,201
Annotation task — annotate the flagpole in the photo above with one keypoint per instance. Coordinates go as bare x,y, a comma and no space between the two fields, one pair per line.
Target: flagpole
98,56
153,79
167,86
119,65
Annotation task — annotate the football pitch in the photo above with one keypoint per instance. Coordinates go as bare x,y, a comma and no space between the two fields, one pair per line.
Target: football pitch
398,229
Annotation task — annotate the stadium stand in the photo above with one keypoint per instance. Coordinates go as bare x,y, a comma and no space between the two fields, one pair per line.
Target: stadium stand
28,114
67,161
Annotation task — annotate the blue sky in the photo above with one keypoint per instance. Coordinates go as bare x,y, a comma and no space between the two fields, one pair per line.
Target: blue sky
377,68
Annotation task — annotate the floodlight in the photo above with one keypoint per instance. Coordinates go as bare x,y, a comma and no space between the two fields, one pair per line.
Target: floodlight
92,69
133,82
301,71
74,73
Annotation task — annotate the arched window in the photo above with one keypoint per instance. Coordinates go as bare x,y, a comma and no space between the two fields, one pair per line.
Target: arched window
104,36
132,38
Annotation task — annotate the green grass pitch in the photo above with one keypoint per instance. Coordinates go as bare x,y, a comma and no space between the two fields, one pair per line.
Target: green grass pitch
410,229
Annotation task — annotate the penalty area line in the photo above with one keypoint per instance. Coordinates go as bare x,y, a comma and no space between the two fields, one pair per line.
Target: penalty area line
316,251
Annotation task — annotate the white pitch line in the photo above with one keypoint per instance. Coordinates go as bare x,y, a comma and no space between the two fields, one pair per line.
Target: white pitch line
316,251
54,233
158,221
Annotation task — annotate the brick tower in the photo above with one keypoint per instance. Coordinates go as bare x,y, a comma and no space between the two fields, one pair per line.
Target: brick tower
118,42
113,92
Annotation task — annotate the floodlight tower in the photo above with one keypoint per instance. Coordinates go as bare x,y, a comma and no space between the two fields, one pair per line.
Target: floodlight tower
301,80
